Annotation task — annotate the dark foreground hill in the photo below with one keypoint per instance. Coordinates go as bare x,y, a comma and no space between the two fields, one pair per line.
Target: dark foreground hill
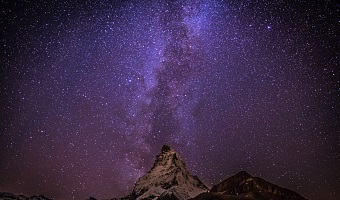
245,186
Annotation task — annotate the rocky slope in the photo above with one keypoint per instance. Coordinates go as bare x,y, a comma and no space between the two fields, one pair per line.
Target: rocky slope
245,186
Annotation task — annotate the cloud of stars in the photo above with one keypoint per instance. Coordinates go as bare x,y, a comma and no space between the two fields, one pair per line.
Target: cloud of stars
91,90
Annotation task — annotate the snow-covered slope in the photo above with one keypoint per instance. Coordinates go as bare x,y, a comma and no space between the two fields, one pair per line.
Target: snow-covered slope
168,179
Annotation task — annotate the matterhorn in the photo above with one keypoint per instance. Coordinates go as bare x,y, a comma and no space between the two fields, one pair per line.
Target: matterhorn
168,179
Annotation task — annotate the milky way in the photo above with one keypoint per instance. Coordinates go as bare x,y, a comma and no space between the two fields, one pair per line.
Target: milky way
91,90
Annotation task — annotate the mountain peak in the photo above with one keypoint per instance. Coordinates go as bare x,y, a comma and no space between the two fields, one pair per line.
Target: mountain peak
166,148
243,173
169,158
168,178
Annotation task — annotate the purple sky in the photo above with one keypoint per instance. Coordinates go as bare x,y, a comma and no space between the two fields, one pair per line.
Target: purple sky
91,91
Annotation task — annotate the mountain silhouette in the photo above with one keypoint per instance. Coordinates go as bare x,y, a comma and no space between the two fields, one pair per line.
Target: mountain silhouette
169,179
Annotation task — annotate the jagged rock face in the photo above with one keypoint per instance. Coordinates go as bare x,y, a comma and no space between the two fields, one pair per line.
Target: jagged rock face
168,179
245,186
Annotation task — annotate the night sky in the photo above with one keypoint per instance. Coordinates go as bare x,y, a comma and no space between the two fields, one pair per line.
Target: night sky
91,90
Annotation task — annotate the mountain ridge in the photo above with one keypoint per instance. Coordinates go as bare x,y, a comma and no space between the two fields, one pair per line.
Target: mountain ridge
168,179
11,196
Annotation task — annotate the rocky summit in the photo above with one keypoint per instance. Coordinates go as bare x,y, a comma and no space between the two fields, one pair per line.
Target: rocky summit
168,179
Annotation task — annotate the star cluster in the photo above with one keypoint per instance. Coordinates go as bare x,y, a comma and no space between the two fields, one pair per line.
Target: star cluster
91,90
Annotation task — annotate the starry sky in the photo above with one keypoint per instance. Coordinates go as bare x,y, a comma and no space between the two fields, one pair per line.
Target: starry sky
91,90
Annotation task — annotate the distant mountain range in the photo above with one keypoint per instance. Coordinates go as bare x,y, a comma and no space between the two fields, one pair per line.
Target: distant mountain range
169,179
10,196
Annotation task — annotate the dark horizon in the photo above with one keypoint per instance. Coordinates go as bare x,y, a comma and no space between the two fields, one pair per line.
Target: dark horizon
90,91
